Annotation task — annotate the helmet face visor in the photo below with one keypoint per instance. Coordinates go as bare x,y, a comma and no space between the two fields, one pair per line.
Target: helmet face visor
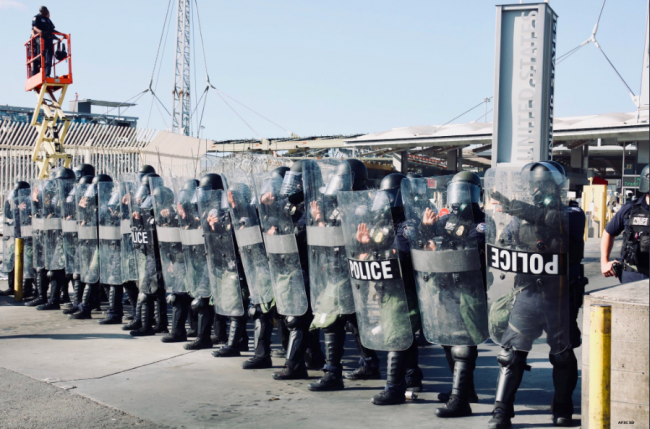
462,193
389,198
292,183
141,194
341,182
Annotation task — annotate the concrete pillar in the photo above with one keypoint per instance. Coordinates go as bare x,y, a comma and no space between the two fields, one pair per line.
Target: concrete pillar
455,160
400,162
629,376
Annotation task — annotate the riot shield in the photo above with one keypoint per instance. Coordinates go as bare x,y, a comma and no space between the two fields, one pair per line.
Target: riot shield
527,246
8,234
375,272
52,225
248,234
88,237
329,281
191,233
222,256
22,211
275,212
446,260
110,235
169,239
70,228
144,237
127,186
38,224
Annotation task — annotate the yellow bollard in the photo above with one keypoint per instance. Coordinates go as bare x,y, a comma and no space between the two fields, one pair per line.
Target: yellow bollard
18,269
600,366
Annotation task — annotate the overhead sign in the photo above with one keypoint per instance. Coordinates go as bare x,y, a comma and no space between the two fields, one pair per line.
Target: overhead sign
524,79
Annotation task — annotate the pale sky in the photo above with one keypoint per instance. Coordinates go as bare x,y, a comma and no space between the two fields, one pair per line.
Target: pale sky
324,67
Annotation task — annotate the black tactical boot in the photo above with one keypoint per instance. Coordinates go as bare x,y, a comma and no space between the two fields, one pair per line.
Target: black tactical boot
513,365
204,324
77,295
394,392
333,377
193,318
565,379
368,362
137,317
115,309
147,319
180,307
84,306
294,367
41,287
55,293
28,289
444,397
10,283
464,363
65,284
160,315
314,357
220,329
414,374
261,342
237,328
131,290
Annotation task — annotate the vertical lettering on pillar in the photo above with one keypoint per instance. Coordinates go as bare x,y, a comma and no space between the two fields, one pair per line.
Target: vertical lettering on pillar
526,67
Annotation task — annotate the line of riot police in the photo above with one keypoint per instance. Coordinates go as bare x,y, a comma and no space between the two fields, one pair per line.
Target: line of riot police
313,247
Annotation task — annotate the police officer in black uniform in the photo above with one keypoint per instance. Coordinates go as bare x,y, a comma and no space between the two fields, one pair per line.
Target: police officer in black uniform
537,225
41,24
632,221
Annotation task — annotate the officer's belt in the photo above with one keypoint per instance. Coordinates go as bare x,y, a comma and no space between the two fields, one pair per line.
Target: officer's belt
168,234
125,226
26,231
110,233
280,244
87,233
52,224
69,225
325,236
249,236
37,223
192,237
455,261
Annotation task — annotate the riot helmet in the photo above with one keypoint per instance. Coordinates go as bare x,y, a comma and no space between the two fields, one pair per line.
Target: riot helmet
390,195
643,186
163,197
21,185
64,173
545,179
342,180
464,188
360,172
191,185
292,185
144,170
86,180
82,170
279,172
143,192
414,176
211,181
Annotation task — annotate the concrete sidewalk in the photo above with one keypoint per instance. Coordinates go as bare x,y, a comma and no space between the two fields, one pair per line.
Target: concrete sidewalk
166,385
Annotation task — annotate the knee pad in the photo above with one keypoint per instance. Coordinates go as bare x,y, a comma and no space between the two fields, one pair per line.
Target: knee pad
464,353
196,304
142,297
254,312
292,322
50,275
76,277
171,298
509,358
564,359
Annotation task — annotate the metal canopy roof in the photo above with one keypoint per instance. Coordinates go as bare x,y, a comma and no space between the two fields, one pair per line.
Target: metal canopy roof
619,126
105,103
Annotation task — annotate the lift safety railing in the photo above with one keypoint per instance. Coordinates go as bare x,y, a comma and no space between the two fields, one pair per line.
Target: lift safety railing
35,64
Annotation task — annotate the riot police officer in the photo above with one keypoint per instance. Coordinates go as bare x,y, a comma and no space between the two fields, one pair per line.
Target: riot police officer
22,210
632,221
10,229
535,279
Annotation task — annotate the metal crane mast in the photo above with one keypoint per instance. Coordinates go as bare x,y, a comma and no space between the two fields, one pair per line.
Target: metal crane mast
181,104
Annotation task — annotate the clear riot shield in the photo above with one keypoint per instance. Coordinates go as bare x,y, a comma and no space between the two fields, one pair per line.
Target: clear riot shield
446,260
110,235
222,256
192,240
88,233
329,281
147,258
275,214
375,273
22,210
8,234
169,239
248,234
127,186
52,225
70,227
38,224
527,247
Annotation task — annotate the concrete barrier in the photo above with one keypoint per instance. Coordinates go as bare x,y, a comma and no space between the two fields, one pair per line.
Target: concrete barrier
630,333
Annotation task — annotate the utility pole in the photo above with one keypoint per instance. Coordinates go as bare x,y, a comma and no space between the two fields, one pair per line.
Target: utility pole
181,104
